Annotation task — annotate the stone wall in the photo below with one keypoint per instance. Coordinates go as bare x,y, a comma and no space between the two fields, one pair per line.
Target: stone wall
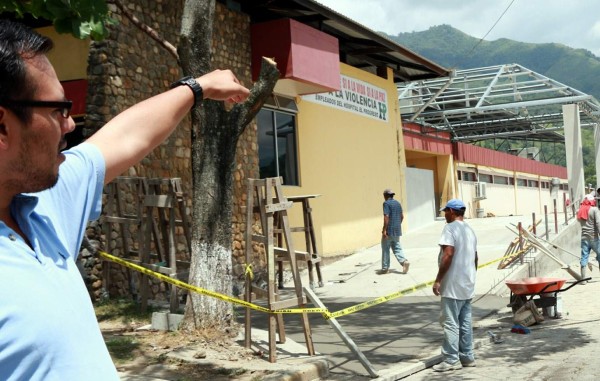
129,67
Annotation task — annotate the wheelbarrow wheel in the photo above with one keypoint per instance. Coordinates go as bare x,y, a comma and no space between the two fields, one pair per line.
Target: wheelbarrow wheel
517,301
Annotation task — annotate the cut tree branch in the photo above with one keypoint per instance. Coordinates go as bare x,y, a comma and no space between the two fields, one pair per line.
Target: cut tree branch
145,28
259,93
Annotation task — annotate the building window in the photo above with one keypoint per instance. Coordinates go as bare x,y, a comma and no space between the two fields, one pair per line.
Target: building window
277,145
533,184
501,180
521,182
485,178
468,176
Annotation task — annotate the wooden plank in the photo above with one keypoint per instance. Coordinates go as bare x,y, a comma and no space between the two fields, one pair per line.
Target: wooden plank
300,198
283,251
294,302
248,255
260,292
272,208
159,269
259,238
159,200
121,220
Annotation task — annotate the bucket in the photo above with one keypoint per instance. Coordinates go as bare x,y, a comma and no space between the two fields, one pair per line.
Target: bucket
480,213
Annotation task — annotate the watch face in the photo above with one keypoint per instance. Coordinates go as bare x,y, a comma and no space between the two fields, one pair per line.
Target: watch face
192,84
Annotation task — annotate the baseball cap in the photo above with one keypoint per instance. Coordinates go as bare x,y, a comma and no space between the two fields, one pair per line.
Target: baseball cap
389,191
455,204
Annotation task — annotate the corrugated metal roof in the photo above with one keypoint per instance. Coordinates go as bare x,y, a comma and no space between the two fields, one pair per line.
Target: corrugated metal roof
359,46
468,153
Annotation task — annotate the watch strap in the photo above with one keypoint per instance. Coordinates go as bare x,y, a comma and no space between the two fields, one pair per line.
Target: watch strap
192,84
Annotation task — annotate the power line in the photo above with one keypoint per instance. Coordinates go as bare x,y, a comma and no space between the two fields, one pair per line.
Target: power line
488,32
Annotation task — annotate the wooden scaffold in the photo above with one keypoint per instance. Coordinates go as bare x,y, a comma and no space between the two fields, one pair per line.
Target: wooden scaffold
151,210
265,198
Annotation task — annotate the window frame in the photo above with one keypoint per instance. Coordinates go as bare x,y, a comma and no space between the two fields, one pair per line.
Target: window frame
272,105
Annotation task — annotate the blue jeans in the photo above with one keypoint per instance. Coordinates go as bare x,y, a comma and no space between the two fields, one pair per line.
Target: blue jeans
587,245
458,330
393,242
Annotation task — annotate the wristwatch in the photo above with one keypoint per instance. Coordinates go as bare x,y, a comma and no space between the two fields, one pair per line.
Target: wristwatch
192,84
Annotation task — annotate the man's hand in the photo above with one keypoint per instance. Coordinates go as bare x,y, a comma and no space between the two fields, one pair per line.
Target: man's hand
436,288
222,85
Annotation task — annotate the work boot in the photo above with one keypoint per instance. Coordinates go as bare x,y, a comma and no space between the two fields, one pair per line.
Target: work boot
405,266
583,275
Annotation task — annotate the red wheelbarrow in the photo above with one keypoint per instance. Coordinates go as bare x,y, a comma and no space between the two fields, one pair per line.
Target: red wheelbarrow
546,290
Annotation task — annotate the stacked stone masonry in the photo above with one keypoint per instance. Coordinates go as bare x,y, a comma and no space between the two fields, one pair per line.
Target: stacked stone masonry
129,67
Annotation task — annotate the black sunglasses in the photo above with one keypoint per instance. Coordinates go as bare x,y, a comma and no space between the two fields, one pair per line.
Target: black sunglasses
63,106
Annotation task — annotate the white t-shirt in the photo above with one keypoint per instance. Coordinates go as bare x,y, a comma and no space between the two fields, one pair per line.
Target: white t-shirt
459,281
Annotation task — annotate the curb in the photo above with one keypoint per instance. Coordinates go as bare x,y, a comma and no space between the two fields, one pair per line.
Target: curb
398,372
313,369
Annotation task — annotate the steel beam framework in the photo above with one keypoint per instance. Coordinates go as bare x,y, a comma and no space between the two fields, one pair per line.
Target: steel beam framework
495,102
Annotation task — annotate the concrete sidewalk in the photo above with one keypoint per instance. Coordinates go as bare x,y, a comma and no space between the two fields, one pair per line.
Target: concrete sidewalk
403,335
399,337
555,350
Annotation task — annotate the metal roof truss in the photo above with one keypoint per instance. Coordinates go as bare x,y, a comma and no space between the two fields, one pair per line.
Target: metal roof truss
496,101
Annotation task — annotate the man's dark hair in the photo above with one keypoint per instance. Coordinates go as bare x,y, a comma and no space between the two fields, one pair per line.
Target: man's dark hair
459,212
18,43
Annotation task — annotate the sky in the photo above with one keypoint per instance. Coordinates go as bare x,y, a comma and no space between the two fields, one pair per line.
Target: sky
575,23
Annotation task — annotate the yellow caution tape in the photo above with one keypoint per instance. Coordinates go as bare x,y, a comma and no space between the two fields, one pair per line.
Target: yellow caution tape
516,253
397,294
203,291
382,299
248,271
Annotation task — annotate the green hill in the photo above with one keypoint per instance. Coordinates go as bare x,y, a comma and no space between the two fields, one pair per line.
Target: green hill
451,48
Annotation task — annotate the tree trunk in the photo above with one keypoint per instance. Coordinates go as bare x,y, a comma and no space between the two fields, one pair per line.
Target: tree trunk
215,133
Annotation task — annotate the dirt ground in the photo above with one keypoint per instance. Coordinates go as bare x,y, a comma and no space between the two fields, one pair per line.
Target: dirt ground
138,351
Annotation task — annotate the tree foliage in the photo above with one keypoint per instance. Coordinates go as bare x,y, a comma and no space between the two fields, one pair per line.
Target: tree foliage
81,18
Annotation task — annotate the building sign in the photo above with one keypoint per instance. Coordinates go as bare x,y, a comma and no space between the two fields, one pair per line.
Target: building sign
355,96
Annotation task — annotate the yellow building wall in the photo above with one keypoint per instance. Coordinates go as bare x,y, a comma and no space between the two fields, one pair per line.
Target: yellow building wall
349,159
69,56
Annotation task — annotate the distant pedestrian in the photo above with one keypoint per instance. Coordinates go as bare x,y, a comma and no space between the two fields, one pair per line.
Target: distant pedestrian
588,216
455,282
391,232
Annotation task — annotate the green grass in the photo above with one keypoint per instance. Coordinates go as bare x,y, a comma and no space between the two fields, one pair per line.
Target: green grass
122,348
123,310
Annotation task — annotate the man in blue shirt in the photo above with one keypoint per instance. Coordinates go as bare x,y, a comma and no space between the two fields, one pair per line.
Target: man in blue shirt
48,330
391,232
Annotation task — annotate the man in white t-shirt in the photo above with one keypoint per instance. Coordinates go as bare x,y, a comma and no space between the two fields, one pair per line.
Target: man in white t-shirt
455,282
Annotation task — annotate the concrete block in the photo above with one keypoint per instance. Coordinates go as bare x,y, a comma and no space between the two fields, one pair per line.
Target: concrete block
165,321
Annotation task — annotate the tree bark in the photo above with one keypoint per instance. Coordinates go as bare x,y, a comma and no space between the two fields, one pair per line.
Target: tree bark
215,133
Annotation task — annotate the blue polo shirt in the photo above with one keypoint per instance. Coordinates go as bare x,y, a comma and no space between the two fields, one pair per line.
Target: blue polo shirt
393,209
48,329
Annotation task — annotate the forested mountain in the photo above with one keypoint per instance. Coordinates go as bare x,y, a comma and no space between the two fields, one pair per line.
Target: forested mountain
577,68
